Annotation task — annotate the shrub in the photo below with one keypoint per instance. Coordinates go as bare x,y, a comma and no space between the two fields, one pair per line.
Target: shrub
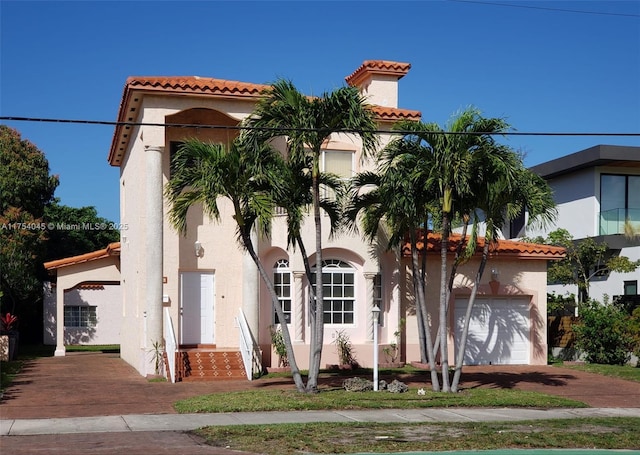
604,333
634,325
278,344
345,349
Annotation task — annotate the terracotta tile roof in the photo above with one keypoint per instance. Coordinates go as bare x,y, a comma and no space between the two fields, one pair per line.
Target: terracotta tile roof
113,249
196,84
393,114
377,67
502,248
137,86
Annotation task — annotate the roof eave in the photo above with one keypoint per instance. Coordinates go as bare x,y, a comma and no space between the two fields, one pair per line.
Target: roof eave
599,155
113,249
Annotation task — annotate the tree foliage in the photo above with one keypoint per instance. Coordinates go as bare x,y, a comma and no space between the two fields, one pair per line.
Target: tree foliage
604,333
585,259
247,177
25,189
430,173
89,232
25,182
306,123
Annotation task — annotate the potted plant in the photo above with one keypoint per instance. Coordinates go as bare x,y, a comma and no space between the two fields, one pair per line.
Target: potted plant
9,334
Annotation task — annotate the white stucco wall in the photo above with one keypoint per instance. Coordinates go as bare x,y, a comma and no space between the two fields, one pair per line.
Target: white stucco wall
107,298
517,277
223,256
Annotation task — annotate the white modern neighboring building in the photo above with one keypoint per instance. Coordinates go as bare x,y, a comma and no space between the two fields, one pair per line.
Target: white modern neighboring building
597,192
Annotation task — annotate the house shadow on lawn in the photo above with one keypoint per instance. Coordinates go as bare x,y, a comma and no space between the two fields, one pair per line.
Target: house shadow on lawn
504,380
471,378
14,389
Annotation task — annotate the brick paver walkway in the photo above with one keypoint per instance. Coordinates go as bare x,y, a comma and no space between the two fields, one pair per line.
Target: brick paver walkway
90,384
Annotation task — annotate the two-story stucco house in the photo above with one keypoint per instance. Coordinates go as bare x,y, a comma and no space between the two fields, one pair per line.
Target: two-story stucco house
597,192
200,292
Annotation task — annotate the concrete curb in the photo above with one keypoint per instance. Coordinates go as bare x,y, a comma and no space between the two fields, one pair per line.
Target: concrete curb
186,422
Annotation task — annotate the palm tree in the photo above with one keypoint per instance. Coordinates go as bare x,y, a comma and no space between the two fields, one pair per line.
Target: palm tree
306,123
295,198
452,150
388,200
202,173
503,190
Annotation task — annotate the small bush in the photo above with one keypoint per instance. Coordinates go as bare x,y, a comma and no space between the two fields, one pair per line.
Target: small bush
634,325
280,347
345,349
604,334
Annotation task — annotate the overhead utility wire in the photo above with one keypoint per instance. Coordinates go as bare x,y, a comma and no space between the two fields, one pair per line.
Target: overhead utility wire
284,130
546,8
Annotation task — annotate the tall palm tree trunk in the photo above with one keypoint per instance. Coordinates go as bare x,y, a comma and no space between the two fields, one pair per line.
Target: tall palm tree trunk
423,308
421,328
317,336
452,276
286,337
444,348
467,317
421,301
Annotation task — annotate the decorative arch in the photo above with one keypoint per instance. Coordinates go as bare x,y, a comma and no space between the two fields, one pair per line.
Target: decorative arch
201,116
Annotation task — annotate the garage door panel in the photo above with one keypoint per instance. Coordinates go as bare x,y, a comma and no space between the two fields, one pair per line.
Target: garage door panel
498,331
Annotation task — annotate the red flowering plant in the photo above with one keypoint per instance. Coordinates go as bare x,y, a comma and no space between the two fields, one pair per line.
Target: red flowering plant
7,322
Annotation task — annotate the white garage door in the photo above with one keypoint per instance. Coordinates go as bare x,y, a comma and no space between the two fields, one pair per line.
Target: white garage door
498,331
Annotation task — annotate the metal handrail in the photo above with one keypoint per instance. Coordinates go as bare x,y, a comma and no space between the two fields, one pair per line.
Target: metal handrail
251,356
171,344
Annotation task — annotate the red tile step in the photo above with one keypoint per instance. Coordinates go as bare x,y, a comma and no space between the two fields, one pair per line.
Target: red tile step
206,364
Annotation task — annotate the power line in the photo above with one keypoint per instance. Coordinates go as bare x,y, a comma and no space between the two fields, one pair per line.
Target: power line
546,8
284,130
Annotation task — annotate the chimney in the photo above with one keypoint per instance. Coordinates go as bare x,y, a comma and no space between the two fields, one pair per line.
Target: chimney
378,81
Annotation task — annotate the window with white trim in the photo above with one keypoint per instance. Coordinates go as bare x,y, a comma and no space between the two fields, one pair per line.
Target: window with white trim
282,284
338,287
338,162
80,316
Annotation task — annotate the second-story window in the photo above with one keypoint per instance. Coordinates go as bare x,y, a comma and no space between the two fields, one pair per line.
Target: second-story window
337,162
619,202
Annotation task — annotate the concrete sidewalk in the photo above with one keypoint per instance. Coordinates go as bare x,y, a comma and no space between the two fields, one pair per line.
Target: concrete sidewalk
187,422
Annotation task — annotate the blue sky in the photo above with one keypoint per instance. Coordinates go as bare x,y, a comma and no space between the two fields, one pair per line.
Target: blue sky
544,69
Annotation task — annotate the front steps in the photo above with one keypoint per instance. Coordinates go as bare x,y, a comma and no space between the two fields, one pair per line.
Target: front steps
206,363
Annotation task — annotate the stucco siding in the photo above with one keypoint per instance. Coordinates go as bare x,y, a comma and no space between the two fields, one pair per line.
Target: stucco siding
107,301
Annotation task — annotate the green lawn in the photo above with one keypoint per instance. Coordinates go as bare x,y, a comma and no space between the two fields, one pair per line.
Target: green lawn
290,400
624,372
336,438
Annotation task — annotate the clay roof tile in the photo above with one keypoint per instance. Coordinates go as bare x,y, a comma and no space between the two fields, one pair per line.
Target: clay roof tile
113,249
501,248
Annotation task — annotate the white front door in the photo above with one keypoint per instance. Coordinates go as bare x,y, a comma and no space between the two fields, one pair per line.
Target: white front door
498,331
196,308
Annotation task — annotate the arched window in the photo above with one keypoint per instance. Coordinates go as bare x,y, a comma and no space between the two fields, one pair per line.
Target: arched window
282,283
338,279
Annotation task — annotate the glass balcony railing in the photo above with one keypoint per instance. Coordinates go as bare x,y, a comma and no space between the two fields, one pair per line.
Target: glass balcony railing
619,221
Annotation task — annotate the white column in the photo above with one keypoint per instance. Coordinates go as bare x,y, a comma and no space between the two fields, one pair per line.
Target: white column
250,293
153,251
369,279
298,304
60,349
